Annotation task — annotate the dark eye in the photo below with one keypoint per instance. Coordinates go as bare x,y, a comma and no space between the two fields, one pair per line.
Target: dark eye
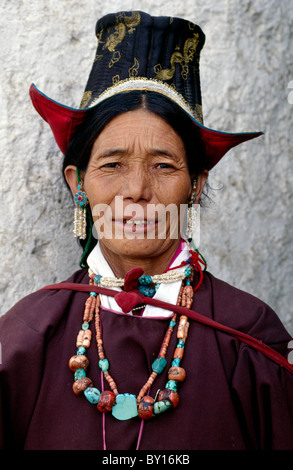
111,165
164,165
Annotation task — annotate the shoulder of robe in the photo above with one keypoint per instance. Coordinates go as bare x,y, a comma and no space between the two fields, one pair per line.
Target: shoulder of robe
39,312
245,312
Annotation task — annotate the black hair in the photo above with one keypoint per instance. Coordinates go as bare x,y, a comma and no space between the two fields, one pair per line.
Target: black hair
80,146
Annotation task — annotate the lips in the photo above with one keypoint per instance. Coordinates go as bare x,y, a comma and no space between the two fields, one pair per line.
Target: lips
126,220
134,225
138,222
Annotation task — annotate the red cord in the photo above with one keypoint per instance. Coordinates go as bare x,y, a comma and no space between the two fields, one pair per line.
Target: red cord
250,340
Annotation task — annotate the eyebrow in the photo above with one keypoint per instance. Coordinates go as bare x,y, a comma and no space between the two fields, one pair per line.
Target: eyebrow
110,153
113,152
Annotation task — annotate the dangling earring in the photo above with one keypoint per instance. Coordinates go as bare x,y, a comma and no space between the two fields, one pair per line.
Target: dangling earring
192,214
81,201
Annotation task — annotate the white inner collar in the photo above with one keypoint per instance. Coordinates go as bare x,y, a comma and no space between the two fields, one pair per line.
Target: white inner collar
166,292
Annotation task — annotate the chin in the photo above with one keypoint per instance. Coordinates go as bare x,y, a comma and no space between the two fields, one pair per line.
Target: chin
138,248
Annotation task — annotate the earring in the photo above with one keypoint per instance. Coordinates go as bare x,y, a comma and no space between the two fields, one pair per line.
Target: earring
81,201
192,214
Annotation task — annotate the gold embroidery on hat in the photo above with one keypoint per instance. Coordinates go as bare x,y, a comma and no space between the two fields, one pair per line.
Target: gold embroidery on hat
85,99
133,71
115,79
157,69
98,57
198,113
123,22
99,35
115,38
115,58
132,21
189,50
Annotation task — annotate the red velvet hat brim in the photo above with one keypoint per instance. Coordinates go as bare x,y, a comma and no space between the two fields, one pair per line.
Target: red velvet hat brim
64,122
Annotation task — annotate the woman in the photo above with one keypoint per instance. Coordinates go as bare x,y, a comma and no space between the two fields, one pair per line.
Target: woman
179,361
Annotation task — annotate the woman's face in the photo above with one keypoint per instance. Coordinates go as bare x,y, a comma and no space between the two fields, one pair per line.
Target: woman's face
136,181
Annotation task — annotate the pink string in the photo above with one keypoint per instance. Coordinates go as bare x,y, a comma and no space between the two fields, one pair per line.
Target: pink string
141,428
103,417
103,414
140,434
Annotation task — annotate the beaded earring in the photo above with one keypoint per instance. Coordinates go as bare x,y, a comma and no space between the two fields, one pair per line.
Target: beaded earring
81,201
192,213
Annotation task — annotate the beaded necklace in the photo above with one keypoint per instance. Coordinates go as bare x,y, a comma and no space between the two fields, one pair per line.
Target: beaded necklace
126,406
143,281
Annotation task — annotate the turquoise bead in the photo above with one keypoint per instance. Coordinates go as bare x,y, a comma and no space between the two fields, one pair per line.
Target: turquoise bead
97,278
159,365
180,344
147,291
161,406
81,351
79,374
187,272
92,394
172,323
93,294
176,362
126,407
172,385
145,280
104,364
85,326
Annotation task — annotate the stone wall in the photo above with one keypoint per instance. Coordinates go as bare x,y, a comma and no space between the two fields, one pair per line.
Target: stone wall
246,70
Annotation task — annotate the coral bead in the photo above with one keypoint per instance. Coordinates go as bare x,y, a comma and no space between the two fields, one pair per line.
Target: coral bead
81,384
87,338
146,408
179,353
106,401
78,362
170,395
176,373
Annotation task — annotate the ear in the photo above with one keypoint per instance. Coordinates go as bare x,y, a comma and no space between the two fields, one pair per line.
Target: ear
200,183
71,178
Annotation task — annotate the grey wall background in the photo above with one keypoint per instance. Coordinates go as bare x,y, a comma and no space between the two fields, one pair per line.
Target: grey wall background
246,69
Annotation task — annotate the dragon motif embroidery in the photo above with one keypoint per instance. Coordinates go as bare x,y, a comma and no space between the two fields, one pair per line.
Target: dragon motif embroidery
121,26
183,59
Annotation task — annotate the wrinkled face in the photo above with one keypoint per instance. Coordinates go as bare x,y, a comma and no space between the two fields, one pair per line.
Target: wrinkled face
136,181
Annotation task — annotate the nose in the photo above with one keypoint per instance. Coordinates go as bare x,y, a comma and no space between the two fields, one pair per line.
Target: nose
137,185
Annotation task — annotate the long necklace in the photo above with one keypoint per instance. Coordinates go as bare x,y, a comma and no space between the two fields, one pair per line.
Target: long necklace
126,406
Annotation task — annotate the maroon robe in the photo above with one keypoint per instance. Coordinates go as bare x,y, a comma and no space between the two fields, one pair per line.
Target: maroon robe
233,396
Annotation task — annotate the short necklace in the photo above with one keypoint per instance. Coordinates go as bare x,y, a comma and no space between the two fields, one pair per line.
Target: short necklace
144,282
126,406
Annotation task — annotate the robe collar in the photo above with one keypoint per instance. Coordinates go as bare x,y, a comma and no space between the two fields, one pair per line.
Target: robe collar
166,292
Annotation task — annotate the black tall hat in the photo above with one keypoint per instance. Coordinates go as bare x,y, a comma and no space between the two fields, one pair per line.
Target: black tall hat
137,51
